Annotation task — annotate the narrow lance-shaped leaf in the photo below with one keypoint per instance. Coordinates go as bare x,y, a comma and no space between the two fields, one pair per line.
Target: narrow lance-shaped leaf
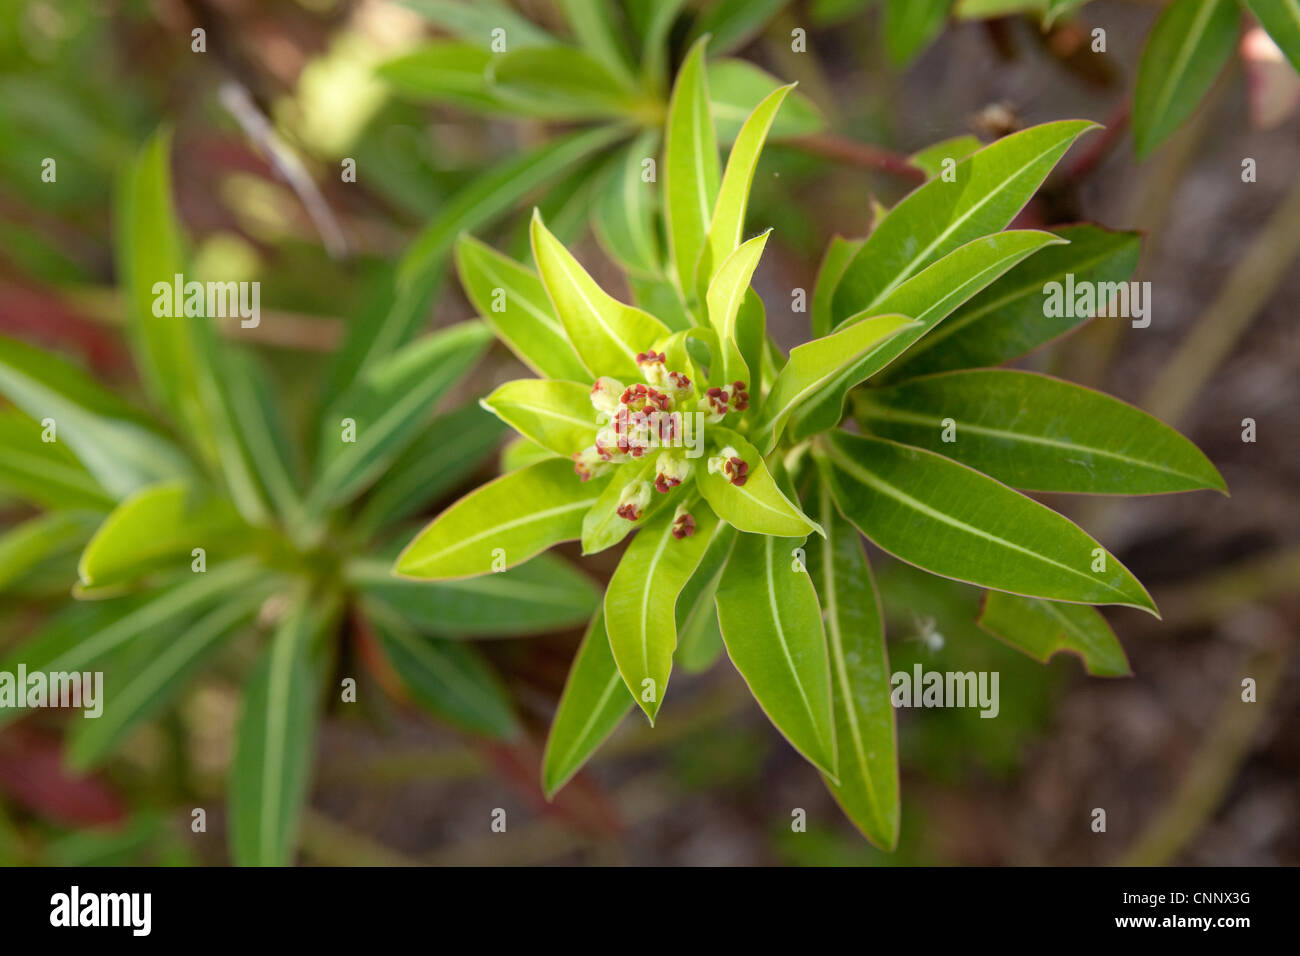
273,745
928,297
1043,628
503,523
867,788
595,25
933,159
814,365
699,642
953,521
511,298
444,71
603,526
641,600
736,87
910,25
623,216
1184,54
733,23
691,173
839,253
28,544
756,504
606,333
45,473
556,415
477,21
1039,433
563,83
726,292
772,625
1281,20
728,221
594,701
988,189
1014,316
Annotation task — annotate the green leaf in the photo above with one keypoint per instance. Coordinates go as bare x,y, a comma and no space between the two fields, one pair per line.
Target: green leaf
556,415
953,521
1008,318
543,594
931,159
1281,21
476,21
388,407
27,545
728,221
1041,629
987,9
444,71
1184,54
562,83
814,365
1059,8
450,450
119,449
865,737
156,529
273,746
910,25
44,473
731,24
603,527
772,626
623,216
757,506
594,701
839,253
521,514
653,20
990,187
593,23
736,87
520,453
1039,433
146,675
512,299
699,641
641,600
929,297
691,174
449,679
606,333
726,293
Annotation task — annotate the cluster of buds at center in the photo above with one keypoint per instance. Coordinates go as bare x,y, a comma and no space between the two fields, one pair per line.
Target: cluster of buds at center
731,466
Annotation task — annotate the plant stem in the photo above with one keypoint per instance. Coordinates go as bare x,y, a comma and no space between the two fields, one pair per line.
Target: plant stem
841,150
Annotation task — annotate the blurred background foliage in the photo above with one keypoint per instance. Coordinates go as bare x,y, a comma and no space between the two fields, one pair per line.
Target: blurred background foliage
1186,772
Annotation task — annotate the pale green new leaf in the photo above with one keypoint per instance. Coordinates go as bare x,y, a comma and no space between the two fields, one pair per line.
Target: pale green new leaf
1043,628
1038,433
726,292
606,333
867,788
758,506
503,523
641,600
990,187
594,701
556,415
691,174
603,527
953,521
1184,54
772,625
511,298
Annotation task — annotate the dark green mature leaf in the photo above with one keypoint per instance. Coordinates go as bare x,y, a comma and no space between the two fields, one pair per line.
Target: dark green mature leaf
594,702
1008,318
736,87
114,442
597,27
44,473
867,789
641,600
156,529
445,71
388,407
503,523
691,170
476,22
1043,628
772,626
563,83
512,299
932,159
928,297
449,679
839,253
910,25
990,187
1039,433
150,672
652,20
273,745
31,543
544,594
731,24
1281,20
623,216
953,521
1184,54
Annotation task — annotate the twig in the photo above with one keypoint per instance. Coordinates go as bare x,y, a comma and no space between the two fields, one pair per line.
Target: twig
841,150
